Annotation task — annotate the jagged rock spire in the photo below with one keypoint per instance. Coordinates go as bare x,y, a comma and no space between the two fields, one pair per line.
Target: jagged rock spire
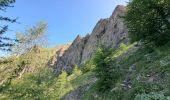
110,32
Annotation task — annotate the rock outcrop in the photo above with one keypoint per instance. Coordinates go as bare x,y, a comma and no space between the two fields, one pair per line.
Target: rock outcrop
59,51
110,32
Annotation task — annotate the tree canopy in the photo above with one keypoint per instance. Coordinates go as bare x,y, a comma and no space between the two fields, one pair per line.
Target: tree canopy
34,36
148,20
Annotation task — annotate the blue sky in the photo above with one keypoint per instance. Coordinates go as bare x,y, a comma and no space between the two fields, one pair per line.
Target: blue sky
66,18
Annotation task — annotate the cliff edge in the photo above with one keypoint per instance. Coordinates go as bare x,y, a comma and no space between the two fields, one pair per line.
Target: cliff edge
110,32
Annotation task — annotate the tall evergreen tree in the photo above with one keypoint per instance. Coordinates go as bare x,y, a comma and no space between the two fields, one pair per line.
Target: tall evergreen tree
104,69
5,42
60,86
76,71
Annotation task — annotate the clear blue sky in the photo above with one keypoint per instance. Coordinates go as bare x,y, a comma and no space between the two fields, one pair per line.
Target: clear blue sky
66,18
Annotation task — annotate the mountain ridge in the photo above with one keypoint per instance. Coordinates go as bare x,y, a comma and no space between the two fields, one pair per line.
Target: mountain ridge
110,32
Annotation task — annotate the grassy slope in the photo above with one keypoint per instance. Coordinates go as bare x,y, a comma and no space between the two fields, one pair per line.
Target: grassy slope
30,62
145,70
31,59
37,81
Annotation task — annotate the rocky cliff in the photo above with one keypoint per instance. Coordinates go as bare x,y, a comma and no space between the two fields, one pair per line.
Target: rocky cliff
109,32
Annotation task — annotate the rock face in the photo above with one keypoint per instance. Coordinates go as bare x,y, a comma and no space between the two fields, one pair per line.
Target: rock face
110,32
59,51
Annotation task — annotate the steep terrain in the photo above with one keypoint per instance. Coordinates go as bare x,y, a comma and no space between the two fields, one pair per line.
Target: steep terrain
136,71
110,32
144,74
16,66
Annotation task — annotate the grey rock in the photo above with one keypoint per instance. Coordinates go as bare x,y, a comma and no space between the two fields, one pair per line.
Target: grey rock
110,32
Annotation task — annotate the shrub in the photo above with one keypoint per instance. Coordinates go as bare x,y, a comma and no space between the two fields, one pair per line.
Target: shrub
31,85
151,96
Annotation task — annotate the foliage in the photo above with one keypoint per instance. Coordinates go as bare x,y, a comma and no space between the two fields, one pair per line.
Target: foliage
34,36
30,86
105,70
43,84
148,20
152,96
17,66
75,73
127,73
6,3
88,66
61,83
81,80
61,86
6,42
138,65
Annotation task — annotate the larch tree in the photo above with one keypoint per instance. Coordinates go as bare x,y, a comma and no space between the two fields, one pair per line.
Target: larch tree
32,38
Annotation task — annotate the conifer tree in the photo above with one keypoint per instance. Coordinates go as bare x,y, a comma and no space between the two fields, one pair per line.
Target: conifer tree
104,69
76,71
32,37
107,71
60,85
6,42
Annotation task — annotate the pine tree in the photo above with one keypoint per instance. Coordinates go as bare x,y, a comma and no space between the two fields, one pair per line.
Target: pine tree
76,71
103,70
88,66
61,84
6,42
107,71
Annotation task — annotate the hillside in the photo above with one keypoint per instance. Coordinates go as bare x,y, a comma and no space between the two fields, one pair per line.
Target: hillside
103,65
37,57
144,74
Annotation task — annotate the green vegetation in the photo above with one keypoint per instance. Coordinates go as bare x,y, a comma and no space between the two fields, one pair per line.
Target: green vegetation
29,77
148,20
75,73
105,72
152,96
138,71
88,66
30,86
61,86
34,36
